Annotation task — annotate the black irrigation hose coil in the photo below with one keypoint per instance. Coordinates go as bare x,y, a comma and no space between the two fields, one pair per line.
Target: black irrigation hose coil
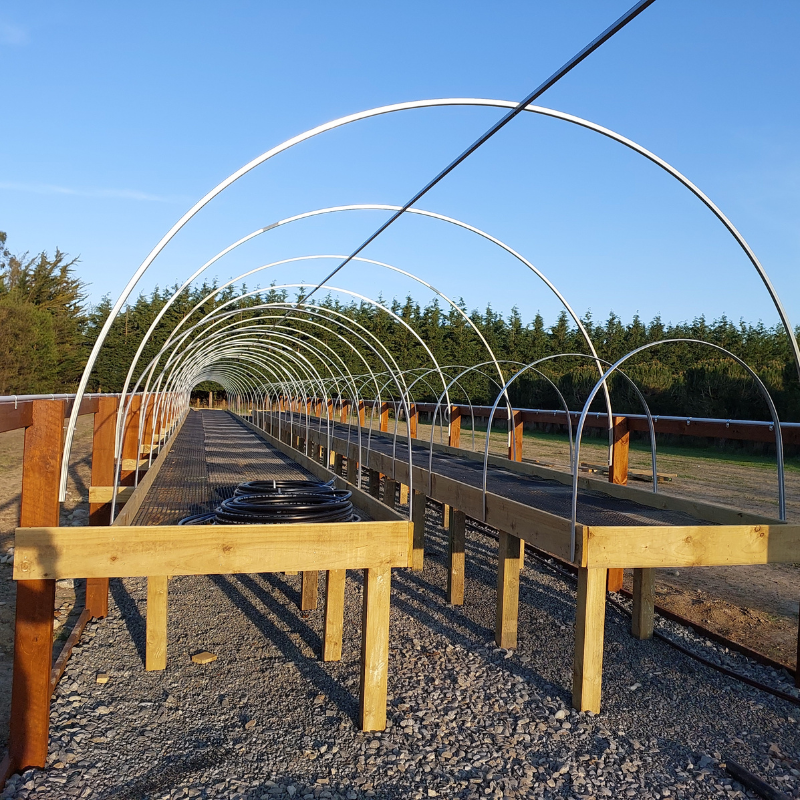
283,488
280,502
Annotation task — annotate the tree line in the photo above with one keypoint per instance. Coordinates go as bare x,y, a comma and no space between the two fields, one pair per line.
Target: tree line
48,329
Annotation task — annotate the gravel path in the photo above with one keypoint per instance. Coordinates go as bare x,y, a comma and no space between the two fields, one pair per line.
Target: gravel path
269,719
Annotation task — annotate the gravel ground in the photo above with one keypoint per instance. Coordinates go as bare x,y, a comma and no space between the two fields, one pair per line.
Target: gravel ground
466,719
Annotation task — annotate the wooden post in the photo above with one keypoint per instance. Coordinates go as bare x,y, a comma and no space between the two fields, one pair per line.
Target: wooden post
413,418
797,667
375,648
515,433
211,399
590,621
418,541
156,641
455,575
308,592
337,463
33,631
130,441
505,633
403,494
618,473
147,436
374,482
102,475
362,414
455,427
345,416
446,516
334,616
389,492
644,598
384,421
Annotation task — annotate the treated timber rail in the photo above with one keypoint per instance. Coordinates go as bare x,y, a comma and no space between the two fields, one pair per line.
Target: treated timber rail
699,427
44,553
527,503
706,427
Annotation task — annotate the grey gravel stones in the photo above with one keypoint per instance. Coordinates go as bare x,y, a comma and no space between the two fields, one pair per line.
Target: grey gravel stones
467,720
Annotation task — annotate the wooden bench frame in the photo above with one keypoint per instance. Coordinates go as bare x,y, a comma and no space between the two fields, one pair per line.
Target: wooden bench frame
128,551
98,553
733,538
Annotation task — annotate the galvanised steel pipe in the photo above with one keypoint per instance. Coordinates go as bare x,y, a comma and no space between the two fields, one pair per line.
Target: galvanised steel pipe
231,282
615,368
241,297
385,110
569,422
269,331
310,312
356,207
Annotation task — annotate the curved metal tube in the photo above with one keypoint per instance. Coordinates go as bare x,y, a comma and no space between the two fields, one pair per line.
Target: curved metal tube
376,112
615,366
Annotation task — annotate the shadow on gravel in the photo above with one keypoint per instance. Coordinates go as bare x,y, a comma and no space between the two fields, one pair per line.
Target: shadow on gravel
134,621
168,771
310,669
274,580
449,630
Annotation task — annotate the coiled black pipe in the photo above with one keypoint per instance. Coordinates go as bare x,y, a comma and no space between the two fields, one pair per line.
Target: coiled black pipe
272,502
283,488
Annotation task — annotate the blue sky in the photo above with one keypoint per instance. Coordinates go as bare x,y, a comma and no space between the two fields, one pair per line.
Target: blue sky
117,117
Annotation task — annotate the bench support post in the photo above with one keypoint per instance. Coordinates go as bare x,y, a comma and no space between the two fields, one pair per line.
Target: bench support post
618,473
375,648
156,647
309,587
643,603
418,543
455,575
102,475
509,551
590,621
33,631
334,616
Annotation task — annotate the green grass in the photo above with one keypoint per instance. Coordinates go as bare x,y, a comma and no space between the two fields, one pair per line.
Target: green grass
697,451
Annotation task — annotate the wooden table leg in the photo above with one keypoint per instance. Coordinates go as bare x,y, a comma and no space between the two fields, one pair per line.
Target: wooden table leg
374,482
508,555
102,475
375,648
334,616
156,653
29,725
455,575
418,543
618,473
390,492
33,655
644,598
797,668
590,621
308,592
